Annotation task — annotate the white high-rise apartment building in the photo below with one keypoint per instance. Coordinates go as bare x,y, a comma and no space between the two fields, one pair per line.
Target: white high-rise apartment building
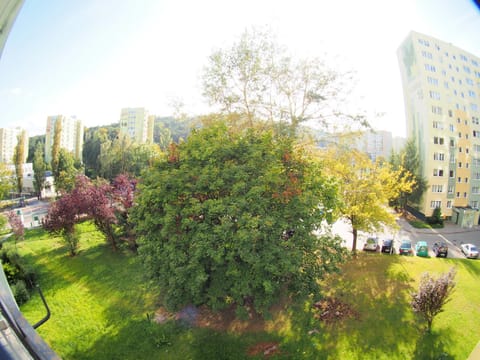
441,84
137,124
71,137
8,143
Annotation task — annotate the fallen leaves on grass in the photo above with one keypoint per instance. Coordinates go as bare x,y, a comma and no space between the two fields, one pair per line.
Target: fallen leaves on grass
330,310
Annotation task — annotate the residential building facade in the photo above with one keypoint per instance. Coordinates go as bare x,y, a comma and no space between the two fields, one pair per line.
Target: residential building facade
441,84
71,137
375,144
8,142
137,124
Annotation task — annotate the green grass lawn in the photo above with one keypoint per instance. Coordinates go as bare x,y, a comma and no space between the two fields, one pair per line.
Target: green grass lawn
100,300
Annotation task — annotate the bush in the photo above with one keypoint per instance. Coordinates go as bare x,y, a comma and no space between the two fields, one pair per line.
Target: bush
432,295
20,292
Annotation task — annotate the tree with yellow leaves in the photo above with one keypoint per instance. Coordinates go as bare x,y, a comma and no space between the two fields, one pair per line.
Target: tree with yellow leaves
365,188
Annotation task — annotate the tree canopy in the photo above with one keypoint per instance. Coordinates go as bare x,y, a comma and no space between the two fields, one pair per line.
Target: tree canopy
365,188
257,78
229,218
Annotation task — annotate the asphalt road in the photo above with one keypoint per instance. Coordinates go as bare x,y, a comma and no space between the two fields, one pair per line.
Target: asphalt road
452,234
33,209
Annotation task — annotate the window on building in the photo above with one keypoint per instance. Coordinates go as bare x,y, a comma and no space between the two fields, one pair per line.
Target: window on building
435,204
459,179
460,149
430,68
432,81
449,204
434,95
438,140
474,204
437,110
460,164
458,194
450,189
464,194
466,180
437,172
475,190
437,188
439,156
451,173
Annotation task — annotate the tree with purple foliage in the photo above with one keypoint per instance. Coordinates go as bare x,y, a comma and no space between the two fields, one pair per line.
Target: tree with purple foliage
432,295
66,212
123,196
17,226
106,204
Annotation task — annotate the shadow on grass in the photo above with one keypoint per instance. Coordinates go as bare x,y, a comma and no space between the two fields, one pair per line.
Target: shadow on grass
142,339
378,289
434,345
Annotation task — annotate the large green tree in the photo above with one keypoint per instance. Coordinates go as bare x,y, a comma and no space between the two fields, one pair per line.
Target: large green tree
19,158
229,218
39,167
67,170
410,161
56,146
7,183
93,139
121,155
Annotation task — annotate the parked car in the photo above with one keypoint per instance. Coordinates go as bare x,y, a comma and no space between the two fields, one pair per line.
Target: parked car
405,248
440,249
470,251
371,244
421,249
387,246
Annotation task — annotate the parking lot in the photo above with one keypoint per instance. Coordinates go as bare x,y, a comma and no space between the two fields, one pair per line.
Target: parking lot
452,234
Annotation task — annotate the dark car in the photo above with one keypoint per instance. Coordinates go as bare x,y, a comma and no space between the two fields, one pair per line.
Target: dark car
440,249
387,246
406,248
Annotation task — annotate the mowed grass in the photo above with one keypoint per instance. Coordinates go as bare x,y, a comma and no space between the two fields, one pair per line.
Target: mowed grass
100,300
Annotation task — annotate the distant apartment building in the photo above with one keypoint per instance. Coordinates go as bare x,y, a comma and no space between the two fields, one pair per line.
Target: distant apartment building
8,142
71,135
375,144
137,124
441,84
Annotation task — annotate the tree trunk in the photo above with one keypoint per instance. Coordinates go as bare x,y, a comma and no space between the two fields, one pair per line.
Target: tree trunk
429,325
354,243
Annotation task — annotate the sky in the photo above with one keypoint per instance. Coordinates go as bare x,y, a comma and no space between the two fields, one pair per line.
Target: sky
91,58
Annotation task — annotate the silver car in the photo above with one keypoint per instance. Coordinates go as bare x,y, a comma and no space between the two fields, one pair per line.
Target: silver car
470,251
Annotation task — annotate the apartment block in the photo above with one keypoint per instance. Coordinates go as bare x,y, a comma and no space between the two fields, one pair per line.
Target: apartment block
441,85
71,135
375,144
8,142
137,124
